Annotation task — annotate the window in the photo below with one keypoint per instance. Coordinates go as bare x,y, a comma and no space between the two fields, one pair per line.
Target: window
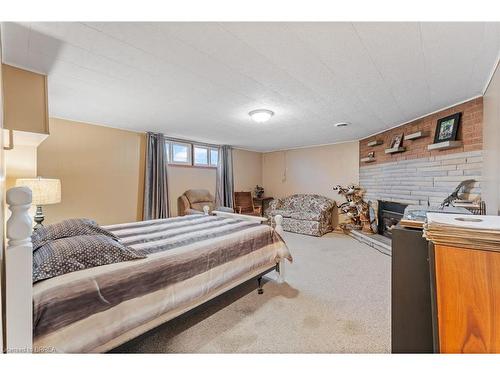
181,153
201,155
214,156
192,154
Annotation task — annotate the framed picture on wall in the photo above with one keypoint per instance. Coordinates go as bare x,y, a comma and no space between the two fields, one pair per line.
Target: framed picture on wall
397,141
447,128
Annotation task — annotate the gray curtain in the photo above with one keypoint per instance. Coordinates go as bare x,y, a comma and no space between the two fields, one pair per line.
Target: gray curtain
224,185
155,184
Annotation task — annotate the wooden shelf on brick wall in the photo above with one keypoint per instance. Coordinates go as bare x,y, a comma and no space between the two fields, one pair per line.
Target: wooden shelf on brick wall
395,150
368,159
444,145
375,143
416,135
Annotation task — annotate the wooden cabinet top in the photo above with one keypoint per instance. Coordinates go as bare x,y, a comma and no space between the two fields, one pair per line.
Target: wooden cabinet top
25,100
262,199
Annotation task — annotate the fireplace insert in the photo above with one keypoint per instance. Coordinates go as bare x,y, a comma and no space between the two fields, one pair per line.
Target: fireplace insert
389,215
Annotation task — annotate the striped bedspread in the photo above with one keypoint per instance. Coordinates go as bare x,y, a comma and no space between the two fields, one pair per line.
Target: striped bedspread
177,249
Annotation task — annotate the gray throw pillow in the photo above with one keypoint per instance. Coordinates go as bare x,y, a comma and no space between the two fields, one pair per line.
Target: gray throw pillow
67,228
76,253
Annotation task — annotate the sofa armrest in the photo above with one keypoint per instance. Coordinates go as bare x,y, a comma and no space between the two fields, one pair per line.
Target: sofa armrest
182,205
275,204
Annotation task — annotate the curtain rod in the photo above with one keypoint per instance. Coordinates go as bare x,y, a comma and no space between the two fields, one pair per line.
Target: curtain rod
193,142
181,140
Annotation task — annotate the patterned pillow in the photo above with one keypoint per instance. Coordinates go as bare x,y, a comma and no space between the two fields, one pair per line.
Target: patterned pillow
70,254
67,228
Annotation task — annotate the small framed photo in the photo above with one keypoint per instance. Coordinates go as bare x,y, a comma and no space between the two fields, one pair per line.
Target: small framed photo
371,154
397,141
447,127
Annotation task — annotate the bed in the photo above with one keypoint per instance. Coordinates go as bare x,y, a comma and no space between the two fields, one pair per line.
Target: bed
189,261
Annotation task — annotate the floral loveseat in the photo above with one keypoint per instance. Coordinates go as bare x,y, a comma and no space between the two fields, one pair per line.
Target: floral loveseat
310,214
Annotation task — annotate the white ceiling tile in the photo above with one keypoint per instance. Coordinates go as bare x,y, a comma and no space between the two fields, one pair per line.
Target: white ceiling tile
451,52
200,80
14,34
396,49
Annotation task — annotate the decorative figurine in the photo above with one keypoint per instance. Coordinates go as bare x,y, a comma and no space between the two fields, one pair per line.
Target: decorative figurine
355,208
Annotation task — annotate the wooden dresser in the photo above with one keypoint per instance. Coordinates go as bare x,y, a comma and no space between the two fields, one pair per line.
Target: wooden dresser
466,293
467,299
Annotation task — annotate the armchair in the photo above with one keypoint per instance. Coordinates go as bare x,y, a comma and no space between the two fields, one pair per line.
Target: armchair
193,201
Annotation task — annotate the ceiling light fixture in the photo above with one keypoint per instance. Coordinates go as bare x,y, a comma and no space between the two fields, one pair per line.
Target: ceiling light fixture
341,124
261,115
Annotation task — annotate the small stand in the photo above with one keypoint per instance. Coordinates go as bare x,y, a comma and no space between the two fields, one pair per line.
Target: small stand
259,283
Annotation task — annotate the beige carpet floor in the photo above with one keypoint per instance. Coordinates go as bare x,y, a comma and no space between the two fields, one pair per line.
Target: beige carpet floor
336,300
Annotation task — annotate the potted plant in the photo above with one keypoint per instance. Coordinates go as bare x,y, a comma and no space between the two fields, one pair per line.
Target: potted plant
258,191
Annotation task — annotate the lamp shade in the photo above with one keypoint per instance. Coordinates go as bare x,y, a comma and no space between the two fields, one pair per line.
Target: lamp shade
44,190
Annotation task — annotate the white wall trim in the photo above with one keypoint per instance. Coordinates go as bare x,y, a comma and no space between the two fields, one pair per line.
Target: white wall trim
310,146
488,81
421,117
167,136
371,135
93,124
306,146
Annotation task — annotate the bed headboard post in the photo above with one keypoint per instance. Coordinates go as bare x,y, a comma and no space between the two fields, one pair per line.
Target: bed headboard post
278,220
18,273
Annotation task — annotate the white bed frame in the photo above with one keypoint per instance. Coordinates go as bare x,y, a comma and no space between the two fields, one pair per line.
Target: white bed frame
18,269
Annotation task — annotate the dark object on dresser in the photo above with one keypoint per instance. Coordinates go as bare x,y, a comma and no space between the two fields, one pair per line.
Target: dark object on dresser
411,293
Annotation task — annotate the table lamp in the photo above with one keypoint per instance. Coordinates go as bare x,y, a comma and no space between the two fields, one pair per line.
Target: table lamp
44,191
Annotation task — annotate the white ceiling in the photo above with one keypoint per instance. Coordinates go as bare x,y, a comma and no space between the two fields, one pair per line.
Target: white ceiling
200,80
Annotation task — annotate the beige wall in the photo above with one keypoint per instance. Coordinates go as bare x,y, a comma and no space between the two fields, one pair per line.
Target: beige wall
20,162
247,169
101,171
491,136
310,170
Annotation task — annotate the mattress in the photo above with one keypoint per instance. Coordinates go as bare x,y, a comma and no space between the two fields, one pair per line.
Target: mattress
188,260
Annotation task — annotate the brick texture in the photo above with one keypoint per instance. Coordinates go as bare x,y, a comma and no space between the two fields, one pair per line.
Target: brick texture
422,181
470,132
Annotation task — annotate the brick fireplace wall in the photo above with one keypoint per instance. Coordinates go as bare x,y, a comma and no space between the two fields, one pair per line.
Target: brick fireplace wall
419,176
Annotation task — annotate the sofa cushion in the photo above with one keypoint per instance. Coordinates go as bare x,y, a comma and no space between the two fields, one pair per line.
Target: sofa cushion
309,227
306,215
283,213
199,196
306,202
